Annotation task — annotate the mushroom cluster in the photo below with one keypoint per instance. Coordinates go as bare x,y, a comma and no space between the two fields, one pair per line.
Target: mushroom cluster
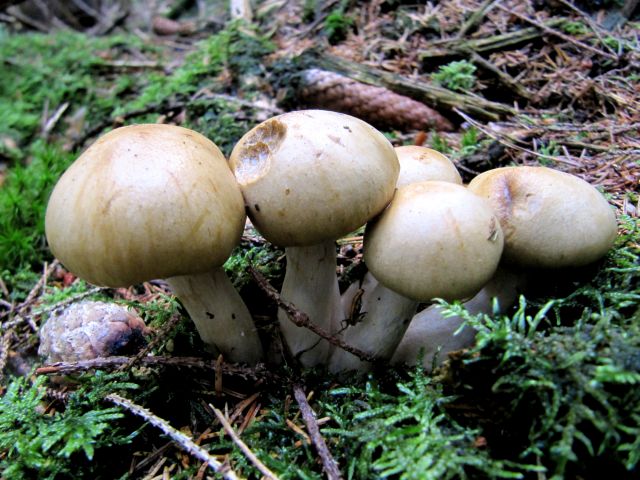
159,201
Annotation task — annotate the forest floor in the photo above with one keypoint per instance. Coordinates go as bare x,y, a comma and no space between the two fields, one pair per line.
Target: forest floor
550,388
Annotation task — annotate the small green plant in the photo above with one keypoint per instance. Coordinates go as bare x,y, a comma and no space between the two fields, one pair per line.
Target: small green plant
548,151
49,445
235,48
614,43
575,28
397,430
23,200
571,363
337,24
439,143
406,434
459,76
469,142
42,72
264,258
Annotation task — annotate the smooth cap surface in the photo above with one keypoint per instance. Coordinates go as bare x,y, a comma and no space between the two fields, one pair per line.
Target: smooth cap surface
311,176
421,164
144,202
435,239
550,219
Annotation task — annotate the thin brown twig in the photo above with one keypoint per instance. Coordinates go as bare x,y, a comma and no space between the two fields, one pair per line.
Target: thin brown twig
329,464
262,468
20,310
587,18
37,287
508,142
108,363
5,343
476,17
151,458
18,319
301,319
180,438
157,338
4,289
558,34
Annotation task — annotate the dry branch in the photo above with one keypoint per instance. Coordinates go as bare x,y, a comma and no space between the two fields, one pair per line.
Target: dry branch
157,338
504,41
5,342
264,470
552,31
186,443
329,464
301,319
111,363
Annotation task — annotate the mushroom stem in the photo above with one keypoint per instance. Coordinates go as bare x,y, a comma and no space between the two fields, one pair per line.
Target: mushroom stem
311,284
387,315
433,335
221,317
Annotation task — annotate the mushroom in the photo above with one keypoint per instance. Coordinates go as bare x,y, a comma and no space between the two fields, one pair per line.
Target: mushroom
308,178
435,239
432,336
157,201
550,219
90,329
420,164
417,164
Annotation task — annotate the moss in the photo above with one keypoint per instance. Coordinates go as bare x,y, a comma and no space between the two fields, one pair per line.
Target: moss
556,381
42,72
23,200
236,49
458,75
50,445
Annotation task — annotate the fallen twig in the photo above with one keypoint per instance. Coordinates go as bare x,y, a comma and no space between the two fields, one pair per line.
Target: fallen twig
29,318
157,338
508,141
111,363
20,311
329,464
476,17
506,79
301,319
587,18
180,438
264,470
558,34
5,342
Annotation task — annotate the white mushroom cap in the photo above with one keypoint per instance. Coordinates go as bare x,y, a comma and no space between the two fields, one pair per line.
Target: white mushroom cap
550,219
421,164
143,202
311,176
435,239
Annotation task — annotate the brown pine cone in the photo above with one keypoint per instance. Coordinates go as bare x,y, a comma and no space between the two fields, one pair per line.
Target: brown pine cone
376,105
90,329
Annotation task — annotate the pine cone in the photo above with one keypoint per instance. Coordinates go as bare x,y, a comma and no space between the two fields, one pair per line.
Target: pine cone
376,105
88,330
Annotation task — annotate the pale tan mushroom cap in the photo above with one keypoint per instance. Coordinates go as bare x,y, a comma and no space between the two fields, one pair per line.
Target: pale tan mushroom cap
144,202
550,219
421,164
311,176
435,239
